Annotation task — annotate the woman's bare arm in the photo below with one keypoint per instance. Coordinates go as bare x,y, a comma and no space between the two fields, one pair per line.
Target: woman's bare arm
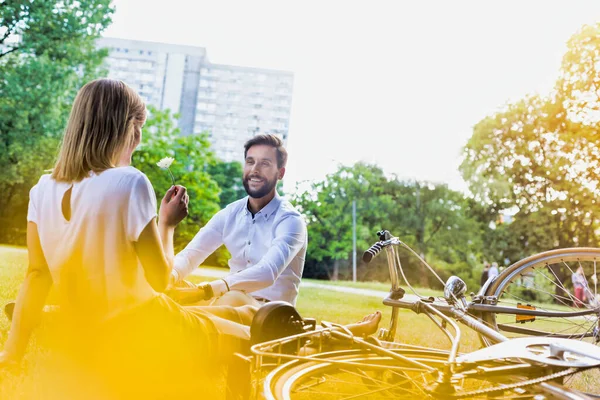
30,301
155,244
150,252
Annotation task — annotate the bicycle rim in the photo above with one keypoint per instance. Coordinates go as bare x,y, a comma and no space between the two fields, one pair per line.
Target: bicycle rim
374,378
544,282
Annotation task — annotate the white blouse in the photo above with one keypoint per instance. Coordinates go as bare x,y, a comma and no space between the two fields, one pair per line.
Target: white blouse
91,256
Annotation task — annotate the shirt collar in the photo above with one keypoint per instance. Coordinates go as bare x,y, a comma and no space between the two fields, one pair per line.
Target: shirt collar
267,210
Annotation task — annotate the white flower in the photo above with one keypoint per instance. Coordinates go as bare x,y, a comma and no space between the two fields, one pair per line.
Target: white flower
165,162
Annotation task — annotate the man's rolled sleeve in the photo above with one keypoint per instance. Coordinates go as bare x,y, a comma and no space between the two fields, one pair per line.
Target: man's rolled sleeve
290,237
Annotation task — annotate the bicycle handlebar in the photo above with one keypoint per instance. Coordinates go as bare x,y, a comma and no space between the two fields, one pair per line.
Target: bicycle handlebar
372,252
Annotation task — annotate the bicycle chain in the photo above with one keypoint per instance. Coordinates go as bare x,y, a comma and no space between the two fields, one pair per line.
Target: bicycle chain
519,384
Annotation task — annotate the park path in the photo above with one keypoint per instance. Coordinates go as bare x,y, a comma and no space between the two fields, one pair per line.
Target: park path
336,288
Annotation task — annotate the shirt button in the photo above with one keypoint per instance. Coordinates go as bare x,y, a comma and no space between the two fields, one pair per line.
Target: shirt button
253,221
249,242
248,261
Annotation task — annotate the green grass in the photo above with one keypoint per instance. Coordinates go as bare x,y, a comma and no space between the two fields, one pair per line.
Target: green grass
313,302
345,308
381,286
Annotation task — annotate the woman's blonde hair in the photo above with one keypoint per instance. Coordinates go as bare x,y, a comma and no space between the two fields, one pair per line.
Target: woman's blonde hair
106,119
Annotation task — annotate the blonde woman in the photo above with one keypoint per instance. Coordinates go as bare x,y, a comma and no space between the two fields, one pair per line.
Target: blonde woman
92,235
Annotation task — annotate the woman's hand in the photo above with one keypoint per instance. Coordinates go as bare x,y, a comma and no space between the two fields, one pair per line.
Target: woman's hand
173,207
187,295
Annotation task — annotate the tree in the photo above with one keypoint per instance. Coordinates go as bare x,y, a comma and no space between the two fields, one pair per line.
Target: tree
192,155
540,155
47,52
228,176
432,219
328,210
445,232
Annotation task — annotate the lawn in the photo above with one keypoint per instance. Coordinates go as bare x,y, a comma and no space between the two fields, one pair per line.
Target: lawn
318,303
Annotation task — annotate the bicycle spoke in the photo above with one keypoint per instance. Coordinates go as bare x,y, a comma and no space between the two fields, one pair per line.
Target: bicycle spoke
554,295
558,297
595,282
411,380
363,375
382,386
561,285
523,300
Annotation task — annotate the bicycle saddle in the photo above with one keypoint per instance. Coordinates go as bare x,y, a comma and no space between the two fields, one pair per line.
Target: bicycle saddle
559,352
276,320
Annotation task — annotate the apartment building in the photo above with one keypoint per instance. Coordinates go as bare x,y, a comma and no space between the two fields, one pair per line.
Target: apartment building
231,103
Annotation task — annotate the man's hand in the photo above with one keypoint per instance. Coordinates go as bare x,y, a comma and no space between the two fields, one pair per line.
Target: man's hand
173,207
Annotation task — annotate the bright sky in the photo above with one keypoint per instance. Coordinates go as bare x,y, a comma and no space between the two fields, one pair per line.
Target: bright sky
399,84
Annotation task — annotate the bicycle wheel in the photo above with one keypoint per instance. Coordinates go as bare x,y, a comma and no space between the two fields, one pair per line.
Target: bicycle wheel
378,377
544,282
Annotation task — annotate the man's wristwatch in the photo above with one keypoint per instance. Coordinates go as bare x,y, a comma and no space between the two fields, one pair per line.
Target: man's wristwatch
208,291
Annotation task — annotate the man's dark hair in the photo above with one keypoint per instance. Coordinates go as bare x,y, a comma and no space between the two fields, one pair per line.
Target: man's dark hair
269,140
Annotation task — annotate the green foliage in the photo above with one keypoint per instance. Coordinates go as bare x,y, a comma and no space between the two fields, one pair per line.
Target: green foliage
161,138
229,177
40,73
540,155
328,209
432,219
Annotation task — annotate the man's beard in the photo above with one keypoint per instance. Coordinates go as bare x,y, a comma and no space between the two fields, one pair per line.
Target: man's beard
263,191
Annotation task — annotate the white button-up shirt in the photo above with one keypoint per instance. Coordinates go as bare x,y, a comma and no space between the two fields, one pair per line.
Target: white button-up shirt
267,250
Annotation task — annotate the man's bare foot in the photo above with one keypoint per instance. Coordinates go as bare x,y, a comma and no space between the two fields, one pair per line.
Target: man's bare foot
367,326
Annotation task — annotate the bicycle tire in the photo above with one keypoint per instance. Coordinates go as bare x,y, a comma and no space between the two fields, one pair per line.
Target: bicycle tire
299,380
519,283
514,285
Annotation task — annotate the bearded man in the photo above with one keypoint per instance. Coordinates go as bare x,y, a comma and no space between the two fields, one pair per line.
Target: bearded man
264,233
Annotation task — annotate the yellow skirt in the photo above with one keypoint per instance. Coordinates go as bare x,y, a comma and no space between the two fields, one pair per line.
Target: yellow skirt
160,350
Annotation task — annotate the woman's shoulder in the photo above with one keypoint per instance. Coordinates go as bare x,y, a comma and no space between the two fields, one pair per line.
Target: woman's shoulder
125,171
120,181
126,175
44,181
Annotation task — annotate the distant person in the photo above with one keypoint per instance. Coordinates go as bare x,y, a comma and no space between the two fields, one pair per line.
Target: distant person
493,271
580,286
485,273
264,233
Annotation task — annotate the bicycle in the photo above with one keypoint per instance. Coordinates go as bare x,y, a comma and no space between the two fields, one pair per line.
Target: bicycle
526,367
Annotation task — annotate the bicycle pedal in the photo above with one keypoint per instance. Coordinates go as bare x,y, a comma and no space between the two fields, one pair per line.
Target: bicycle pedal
310,324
